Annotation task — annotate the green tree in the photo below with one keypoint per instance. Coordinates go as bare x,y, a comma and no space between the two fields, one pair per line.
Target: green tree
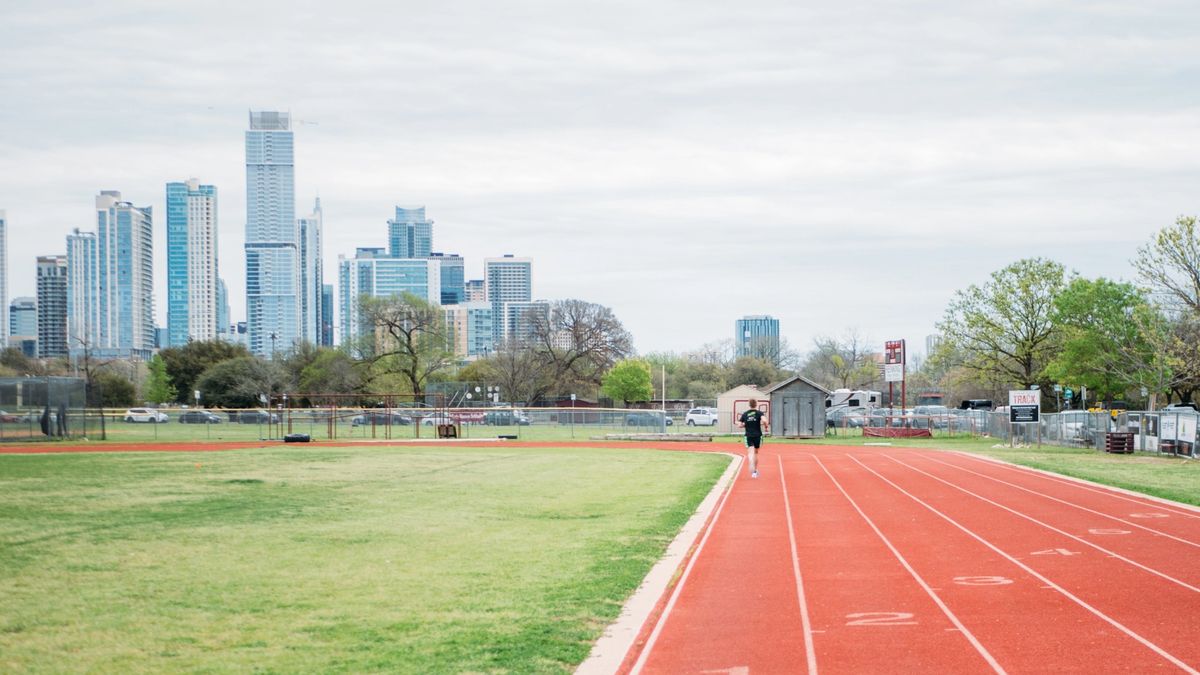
186,363
158,387
239,382
844,362
628,380
751,370
112,390
410,339
1004,329
331,371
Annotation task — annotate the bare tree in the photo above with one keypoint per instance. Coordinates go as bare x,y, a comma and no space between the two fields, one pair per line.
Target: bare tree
580,341
1170,264
409,338
845,362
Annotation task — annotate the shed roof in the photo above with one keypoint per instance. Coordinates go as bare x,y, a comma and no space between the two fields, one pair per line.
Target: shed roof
780,385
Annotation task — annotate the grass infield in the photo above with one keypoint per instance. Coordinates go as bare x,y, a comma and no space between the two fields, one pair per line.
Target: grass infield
316,559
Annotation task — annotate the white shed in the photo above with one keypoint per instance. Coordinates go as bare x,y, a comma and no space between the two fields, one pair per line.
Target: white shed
734,402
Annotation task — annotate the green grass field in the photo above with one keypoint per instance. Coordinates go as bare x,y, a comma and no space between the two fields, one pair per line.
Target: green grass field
316,559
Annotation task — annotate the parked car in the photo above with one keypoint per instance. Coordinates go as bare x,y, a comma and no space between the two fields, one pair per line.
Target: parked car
145,415
706,417
9,418
380,418
506,418
438,418
931,417
253,417
846,416
199,417
646,419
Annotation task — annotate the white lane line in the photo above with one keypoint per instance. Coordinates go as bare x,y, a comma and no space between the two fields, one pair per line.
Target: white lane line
809,650
1071,504
1050,527
1034,573
662,620
1176,508
987,656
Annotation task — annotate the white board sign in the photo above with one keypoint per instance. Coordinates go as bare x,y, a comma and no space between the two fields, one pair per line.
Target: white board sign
893,372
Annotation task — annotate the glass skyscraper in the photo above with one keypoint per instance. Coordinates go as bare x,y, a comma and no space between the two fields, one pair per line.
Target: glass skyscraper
410,234
125,277
272,236
381,277
52,306
757,336
327,315
23,325
508,280
83,292
192,281
312,277
453,276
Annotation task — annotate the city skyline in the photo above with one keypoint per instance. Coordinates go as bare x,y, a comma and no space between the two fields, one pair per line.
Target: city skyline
871,146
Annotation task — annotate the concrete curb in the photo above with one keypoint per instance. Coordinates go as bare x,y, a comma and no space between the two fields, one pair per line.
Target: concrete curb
618,639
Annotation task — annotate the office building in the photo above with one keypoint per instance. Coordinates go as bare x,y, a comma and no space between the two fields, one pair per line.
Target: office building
272,236
509,280
452,278
368,275
192,268
410,234
519,321
470,325
125,278
3,278
52,306
222,307
327,315
312,278
23,325
757,336
475,291
83,292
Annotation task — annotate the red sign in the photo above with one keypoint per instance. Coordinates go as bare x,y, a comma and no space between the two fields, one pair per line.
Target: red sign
893,351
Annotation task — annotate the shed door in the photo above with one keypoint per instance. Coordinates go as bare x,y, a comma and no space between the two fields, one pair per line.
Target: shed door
790,416
807,415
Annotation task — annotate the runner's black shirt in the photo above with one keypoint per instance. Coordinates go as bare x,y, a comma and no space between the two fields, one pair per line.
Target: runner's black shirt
753,421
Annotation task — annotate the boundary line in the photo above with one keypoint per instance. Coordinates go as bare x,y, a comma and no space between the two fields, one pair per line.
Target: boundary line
810,651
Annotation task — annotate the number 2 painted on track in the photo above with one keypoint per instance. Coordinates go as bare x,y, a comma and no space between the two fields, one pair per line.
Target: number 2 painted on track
880,619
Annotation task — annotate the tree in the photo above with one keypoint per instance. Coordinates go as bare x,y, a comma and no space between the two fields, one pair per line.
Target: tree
1170,264
111,390
410,339
1004,329
580,341
158,386
240,382
845,363
751,370
186,363
331,371
628,380
522,375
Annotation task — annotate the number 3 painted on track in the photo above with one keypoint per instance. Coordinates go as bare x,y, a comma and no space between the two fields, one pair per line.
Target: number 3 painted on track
982,581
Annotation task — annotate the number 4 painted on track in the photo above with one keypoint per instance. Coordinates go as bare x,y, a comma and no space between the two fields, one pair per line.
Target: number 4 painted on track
1055,551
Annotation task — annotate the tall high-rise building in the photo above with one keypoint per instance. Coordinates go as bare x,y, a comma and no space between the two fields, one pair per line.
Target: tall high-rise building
192,268
3,279
23,325
222,307
52,306
509,280
327,315
312,277
410,234
517,320
452,278
125,276
272,237
757,336
83,292
475,290
380,277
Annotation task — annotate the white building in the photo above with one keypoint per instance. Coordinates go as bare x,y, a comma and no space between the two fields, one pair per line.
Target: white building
312,278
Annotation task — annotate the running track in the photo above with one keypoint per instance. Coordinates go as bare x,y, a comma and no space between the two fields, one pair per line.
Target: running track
890,560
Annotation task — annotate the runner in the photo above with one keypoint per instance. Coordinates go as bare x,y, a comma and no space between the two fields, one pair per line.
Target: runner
752,422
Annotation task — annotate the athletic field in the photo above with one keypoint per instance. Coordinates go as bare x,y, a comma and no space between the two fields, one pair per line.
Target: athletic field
319,559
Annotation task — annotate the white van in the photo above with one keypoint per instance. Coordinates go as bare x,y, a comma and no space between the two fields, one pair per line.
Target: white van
705,417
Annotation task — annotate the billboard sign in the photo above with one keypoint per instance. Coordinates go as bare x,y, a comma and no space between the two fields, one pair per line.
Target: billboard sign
893,372
893,352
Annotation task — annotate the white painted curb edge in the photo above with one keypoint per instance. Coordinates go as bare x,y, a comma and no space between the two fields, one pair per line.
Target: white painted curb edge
616,641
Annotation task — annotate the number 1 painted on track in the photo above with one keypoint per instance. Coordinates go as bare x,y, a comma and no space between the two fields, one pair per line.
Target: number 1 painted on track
880,619
1056,551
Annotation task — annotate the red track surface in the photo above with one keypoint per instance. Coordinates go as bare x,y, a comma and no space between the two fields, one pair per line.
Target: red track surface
924,561
889,560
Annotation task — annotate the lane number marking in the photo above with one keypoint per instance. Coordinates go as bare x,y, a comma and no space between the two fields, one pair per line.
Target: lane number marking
982,581
880,619
1055,551
1102,530
1148,515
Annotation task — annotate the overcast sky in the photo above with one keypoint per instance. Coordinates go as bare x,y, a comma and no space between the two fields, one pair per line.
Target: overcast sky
836,165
